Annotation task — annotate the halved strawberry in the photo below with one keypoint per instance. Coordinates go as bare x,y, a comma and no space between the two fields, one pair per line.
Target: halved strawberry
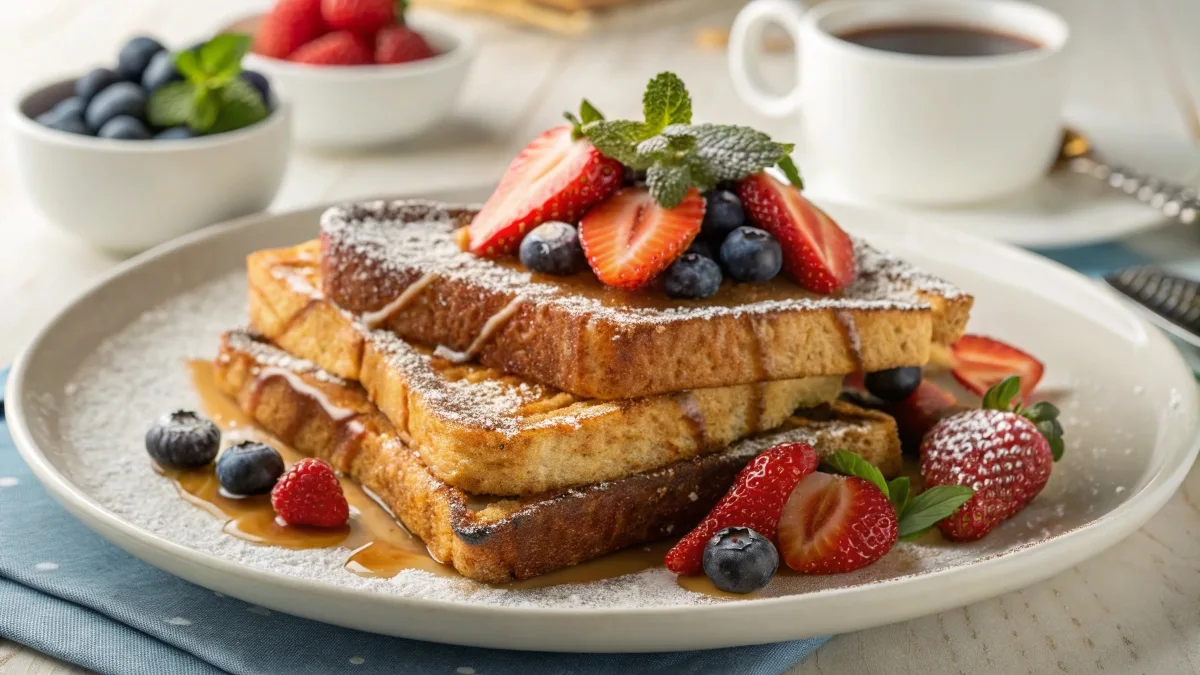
982,362
630,239
556,177
832,524
817,254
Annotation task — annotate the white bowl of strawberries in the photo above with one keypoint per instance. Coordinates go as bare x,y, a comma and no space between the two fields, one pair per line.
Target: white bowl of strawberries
358,73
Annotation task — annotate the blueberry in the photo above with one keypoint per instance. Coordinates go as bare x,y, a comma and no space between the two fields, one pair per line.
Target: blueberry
259,82
751,254
692,276
553,248
94,82
701,247
124,127
122,98
160,71
135,56
183,439
249,468
66,115
633,177
723,213
894,384
175,134
740,560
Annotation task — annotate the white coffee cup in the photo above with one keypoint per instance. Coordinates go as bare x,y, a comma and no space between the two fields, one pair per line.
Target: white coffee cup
914,128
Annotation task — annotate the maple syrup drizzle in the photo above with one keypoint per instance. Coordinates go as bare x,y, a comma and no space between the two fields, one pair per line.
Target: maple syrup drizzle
694,414
377,318
494,323
850,333
379,545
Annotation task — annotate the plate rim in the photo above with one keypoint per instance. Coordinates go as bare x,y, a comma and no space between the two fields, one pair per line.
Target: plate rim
1089,539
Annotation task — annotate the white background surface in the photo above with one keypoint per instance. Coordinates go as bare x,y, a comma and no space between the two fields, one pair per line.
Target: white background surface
1134,609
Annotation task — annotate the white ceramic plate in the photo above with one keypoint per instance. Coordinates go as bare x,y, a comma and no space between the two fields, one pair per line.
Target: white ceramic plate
1129,406
1065,209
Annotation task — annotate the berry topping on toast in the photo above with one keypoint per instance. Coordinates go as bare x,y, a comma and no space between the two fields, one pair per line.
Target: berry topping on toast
556,177
630,239
817,254
1003,451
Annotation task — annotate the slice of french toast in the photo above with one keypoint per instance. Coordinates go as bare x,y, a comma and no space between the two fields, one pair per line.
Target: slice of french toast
499,540
399,266
481,430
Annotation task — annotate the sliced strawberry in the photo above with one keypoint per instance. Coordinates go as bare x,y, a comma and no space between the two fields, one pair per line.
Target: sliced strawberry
982,362
917,414
630,239
556,177
832,524
755,501
817,254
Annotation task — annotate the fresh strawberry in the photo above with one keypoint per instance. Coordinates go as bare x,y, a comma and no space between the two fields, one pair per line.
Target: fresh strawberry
400,44
630,239
755,501
982,362
310,494
556,177
339,48
817,254
917,414
1003,452
360,16
287,27
833,524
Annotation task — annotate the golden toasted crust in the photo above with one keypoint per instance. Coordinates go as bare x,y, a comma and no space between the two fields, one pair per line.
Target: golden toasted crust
513,538
483,431
601,343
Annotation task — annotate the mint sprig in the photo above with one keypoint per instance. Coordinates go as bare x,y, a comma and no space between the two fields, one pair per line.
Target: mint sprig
211,98
916,515
676,154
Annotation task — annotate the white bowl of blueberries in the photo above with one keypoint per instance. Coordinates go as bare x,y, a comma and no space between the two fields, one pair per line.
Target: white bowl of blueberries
163,144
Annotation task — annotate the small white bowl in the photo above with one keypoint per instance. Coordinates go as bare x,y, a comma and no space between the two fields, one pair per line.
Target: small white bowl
126,196
357,107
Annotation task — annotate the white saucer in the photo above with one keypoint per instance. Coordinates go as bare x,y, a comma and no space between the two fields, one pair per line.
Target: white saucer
1129,407
1064,209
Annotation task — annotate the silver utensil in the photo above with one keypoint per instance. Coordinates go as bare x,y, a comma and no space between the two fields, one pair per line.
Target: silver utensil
1171,302
1172,199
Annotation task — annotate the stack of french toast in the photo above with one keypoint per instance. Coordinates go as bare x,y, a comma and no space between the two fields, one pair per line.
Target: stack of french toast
519,423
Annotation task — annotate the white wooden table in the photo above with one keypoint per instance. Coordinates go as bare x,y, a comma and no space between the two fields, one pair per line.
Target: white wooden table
1134,609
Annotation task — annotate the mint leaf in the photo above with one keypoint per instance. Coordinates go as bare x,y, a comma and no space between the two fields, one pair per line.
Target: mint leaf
733,152
221,57
618,139
588,112
1000,396
789,169
206,105
188,65
666,101
171,105
926,509
850,464
898,492
668,183
241,106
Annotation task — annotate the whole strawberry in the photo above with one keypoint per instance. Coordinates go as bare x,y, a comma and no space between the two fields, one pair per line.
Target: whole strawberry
309,494
400,44
755,501
287,27
1002,451
360,16
339,48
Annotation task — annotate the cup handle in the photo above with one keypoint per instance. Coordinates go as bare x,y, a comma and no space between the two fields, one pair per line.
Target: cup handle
745,54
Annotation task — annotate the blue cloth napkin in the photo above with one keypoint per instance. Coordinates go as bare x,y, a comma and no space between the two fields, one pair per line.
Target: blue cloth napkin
67,592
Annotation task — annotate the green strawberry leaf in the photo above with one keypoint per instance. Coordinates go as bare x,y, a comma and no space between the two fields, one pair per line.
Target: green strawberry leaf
206,106
898,489
240,107
850,464
1053,432
588,112
668,183
618,139
666,101
1000,396
1040,412
171,105
221,57
789,169
933,505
